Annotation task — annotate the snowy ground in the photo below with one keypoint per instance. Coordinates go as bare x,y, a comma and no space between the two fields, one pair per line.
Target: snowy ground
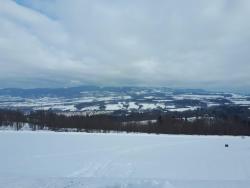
48,159
100,102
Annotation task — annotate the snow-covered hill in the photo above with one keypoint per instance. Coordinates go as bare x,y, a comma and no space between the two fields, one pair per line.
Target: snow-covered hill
49,159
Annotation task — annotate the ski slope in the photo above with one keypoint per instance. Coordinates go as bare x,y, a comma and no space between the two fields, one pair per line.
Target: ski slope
49,159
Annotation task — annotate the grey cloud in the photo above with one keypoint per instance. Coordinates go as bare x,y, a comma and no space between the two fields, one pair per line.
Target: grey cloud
161,43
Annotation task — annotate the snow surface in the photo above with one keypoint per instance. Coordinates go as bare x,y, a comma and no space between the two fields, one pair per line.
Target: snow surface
119,101
150,106
241,102
183,109
49,159
133,105
90,108
196,97
113,107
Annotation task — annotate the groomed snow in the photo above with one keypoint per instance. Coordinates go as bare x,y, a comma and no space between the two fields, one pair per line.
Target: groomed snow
49,159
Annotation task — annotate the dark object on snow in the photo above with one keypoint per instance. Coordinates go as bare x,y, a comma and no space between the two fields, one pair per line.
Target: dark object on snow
226,145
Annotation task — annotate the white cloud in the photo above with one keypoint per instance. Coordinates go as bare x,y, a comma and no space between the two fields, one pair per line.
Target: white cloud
170,43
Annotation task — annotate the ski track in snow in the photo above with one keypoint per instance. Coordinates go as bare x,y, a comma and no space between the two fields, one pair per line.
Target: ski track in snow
102,169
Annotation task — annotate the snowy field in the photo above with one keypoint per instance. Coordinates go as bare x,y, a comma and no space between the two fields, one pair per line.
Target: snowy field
48,159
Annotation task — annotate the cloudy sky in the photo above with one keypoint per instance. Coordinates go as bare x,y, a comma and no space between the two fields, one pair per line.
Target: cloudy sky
173,43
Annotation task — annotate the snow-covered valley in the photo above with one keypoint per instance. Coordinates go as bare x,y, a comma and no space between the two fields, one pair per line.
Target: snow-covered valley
50,159
98,100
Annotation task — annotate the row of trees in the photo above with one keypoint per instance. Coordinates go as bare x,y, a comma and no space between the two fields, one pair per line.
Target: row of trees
215,121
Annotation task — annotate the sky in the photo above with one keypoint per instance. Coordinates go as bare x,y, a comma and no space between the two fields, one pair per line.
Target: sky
171,43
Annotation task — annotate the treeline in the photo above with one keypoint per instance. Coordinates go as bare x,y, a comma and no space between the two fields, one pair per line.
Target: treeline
223,120
12,118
